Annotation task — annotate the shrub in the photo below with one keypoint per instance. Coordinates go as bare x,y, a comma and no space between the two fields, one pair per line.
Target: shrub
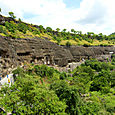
68,44
86,45
69,94
12,15
22,27
3,30
10,26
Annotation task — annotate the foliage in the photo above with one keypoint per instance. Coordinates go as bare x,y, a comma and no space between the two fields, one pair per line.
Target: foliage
3,30
44,71
98,66
10,26
61,38
101,82
90,108
68,94
27,96
12,15
40,89
68,44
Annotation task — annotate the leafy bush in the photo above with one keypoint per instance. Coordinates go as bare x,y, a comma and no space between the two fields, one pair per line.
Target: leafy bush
68,44
3,30
68,94
12,15
101,82
27,97
90,108
44,71
10,26
22,27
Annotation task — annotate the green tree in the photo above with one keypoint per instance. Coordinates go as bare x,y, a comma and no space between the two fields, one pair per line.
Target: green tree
22,27
79,32
58,40
72,30
57,29
64,30
101,82
68,44
3,30
10,26
49,29
69,94
41,28
0,10
19,20
27,96
12,15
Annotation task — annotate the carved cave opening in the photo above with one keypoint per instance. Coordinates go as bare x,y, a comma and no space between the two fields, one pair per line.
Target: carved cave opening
23,54
3,54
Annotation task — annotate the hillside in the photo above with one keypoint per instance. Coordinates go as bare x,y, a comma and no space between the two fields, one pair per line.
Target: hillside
22,43
17,29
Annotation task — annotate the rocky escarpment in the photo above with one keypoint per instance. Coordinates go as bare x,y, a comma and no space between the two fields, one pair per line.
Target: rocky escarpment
16,52
101,53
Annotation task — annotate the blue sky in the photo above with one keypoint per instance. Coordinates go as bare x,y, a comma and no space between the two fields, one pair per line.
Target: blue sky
96,16
72,3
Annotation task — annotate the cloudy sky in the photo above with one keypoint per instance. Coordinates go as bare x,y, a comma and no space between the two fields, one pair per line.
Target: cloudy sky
86,15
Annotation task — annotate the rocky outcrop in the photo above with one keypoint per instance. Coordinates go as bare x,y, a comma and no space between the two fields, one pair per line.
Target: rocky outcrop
79,52
16,52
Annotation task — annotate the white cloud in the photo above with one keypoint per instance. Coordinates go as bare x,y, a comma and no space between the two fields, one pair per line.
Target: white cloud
93,15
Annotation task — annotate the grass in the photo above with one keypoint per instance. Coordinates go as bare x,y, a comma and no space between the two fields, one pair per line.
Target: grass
2,34
63,42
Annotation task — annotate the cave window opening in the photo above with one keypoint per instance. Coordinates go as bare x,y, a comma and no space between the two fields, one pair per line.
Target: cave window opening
7,56
40,58
23,54
69,66
69,61
56,62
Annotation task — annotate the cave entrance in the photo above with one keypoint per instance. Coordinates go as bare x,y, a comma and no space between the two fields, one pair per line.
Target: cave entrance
56,61
23,54
2,53
48,59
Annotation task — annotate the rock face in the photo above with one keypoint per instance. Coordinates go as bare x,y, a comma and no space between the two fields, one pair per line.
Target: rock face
80,53
16,52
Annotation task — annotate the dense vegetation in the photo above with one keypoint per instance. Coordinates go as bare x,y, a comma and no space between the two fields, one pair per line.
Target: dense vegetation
38,89
19,29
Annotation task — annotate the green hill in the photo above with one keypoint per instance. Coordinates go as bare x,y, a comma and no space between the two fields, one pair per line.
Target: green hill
17,29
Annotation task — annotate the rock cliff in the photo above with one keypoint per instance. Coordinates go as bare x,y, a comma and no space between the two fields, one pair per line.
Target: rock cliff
16,52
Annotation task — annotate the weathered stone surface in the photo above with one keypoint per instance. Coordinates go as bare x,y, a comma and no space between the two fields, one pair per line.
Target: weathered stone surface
37,50
80,52
16,52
